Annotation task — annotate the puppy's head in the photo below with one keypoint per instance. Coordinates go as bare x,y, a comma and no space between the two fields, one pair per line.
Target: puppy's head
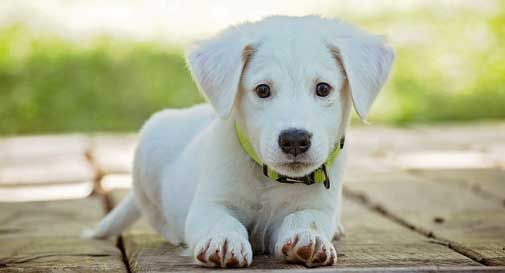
289,82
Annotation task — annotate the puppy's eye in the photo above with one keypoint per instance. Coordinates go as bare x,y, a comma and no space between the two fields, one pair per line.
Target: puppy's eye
323,89
263,91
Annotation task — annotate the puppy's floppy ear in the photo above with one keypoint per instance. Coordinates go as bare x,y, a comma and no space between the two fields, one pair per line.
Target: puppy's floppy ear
216,66
367,61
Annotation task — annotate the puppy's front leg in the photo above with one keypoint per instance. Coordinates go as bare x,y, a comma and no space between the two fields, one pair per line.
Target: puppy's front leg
305,237
218,239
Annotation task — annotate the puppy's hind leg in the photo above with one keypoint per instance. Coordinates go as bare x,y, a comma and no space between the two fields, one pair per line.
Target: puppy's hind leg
121,217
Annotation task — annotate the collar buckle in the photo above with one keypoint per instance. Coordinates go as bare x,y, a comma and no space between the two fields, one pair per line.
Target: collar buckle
307,180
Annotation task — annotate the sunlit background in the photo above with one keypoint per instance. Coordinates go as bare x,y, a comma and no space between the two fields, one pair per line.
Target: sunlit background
83,65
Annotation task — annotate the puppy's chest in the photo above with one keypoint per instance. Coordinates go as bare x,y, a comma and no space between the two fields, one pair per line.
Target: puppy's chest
274,202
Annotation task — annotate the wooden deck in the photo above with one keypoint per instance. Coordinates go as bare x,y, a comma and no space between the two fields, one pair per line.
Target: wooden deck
423,199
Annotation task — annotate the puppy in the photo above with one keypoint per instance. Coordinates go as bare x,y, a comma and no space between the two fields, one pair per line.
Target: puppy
259,169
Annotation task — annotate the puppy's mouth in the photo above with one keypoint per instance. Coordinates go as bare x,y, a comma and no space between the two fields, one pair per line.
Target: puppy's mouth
295,168
296,165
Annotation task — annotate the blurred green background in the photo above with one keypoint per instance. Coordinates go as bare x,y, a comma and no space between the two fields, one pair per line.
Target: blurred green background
449,67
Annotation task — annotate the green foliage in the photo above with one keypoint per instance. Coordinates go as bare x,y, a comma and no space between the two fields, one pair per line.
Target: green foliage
453,70
452,67
48,85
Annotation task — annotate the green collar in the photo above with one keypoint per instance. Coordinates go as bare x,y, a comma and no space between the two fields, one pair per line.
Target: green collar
320,175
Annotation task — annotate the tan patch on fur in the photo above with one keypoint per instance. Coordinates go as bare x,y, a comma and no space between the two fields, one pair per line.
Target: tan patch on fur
215,258
338,57
287,247
247,53
233,262
305,252
225,248
320,257
201,257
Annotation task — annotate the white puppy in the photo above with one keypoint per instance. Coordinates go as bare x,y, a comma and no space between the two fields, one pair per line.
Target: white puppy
280,92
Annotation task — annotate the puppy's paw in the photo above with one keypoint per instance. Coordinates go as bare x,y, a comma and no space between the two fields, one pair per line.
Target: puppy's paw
306,247
224,251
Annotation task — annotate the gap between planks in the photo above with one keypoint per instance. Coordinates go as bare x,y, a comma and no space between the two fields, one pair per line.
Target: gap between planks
98,173
381,210
106,201
363,199
108,206
482,182
463,219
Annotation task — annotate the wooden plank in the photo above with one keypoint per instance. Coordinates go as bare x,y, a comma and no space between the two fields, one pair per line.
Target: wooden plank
45,167
116,181
448,159
497,153
379,148
113,153
467,222
421,269
45,237
371,241
36,149
46,192
63,170
445,137
64,178
490,183
476,136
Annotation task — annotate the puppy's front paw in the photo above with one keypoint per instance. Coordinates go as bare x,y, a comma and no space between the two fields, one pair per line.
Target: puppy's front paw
224,251
306,247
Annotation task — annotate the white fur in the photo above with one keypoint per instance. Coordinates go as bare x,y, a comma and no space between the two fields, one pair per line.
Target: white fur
194,183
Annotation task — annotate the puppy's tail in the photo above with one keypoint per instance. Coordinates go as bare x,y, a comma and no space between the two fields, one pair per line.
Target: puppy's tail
121,217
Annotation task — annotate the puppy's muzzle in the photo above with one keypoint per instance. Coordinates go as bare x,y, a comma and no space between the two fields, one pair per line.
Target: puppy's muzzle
294,141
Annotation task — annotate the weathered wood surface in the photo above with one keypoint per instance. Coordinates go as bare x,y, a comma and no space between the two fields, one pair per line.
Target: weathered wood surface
113,154
371,241
422,199
65,170
46,192
465,221
111,182
382,149
31,149
443,137
45,237
489,183
45,167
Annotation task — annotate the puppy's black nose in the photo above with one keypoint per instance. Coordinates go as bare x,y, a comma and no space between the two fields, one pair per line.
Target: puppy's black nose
294,141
